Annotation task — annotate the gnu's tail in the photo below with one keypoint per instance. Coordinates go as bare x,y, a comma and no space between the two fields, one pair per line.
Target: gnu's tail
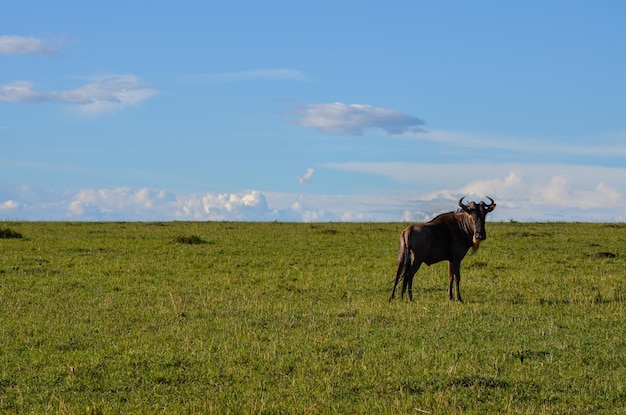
404,260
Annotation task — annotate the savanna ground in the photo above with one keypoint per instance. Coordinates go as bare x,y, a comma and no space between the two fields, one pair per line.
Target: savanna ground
173,318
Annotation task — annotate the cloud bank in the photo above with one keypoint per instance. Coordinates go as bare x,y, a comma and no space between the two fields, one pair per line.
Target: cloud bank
519,195
105,94
26,45
354,119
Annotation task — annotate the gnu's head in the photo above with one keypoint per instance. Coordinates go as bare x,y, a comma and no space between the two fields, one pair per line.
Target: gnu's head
478,212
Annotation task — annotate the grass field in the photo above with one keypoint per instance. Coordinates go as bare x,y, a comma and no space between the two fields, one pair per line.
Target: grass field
111,318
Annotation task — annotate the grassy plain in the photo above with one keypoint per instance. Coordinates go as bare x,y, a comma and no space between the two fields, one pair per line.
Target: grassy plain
174,318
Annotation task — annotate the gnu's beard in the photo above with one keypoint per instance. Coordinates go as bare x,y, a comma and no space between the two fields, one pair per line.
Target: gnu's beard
476,245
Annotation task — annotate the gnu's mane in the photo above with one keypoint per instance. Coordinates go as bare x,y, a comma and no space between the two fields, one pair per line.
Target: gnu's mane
441,217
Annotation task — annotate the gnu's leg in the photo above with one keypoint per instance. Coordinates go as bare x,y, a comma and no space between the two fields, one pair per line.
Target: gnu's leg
454,270
408,279
450,280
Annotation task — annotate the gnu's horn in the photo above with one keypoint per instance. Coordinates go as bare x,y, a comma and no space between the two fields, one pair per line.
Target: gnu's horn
462,205
492,205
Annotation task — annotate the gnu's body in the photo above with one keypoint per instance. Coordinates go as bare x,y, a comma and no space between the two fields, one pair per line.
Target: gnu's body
447,237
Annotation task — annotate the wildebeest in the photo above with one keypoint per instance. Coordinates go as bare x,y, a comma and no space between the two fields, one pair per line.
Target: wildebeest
447,237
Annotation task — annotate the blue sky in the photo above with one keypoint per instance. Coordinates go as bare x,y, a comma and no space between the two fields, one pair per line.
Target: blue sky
316,111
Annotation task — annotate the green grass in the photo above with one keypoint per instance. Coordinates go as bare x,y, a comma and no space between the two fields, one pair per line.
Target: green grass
293,318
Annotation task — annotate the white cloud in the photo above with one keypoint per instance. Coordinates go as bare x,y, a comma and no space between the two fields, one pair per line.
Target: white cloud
253,75
354,119
105,94
224,206
21,91
560,192
8,205
522,191
306,177
116,203
26,45
152,204
510,185
431,177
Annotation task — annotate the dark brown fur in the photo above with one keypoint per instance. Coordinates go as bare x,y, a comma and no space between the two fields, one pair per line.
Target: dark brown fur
447,237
